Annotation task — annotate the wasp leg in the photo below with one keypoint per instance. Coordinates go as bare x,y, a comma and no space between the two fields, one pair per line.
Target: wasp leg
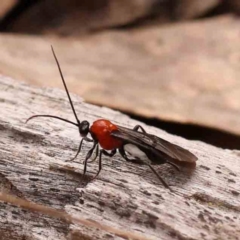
123,154
79,148
97,152
103,152
158,176
139,127
174,165
89,154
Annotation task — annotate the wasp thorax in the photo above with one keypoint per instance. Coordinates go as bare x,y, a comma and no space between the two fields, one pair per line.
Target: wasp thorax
84,128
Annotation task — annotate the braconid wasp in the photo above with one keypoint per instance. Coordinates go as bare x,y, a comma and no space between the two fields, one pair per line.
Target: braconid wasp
134,145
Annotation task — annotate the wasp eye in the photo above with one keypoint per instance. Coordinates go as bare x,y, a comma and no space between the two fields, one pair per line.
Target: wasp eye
84,128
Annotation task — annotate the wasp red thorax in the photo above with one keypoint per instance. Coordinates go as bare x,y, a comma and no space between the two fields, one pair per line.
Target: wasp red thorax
101,131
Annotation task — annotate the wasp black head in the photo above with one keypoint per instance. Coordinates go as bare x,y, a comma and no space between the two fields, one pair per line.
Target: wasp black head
84,128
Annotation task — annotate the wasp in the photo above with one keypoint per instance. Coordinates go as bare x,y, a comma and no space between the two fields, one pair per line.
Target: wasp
134,145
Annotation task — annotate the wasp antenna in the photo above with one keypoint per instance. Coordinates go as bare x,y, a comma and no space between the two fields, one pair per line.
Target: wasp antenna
65,86
51,116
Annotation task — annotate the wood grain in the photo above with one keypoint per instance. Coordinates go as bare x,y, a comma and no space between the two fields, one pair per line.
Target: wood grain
204,204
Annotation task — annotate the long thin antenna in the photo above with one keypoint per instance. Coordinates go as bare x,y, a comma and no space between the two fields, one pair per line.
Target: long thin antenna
65,86
51,116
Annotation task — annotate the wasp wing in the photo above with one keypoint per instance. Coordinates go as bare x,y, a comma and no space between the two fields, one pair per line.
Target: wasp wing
152,142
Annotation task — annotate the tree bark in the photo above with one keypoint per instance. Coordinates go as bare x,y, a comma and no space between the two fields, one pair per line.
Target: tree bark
204,204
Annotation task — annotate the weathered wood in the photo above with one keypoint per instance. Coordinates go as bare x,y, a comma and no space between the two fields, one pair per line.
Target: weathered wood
204,205
59,214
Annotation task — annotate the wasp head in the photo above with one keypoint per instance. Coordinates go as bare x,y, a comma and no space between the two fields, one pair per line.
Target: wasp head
84,128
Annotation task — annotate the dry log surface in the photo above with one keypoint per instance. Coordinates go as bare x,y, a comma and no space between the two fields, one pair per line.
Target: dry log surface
204,203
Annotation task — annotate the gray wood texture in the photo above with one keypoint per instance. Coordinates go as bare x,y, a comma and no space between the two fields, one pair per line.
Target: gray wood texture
204,204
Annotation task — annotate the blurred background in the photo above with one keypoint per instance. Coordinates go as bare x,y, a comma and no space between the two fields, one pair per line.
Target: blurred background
174,64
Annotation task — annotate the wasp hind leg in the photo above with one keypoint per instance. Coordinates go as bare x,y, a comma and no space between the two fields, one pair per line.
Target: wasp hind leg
137,127
123,154
158,176
174,165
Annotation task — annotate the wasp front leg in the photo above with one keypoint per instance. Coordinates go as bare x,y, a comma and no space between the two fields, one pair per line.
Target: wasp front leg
79,148
89,154
96,155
